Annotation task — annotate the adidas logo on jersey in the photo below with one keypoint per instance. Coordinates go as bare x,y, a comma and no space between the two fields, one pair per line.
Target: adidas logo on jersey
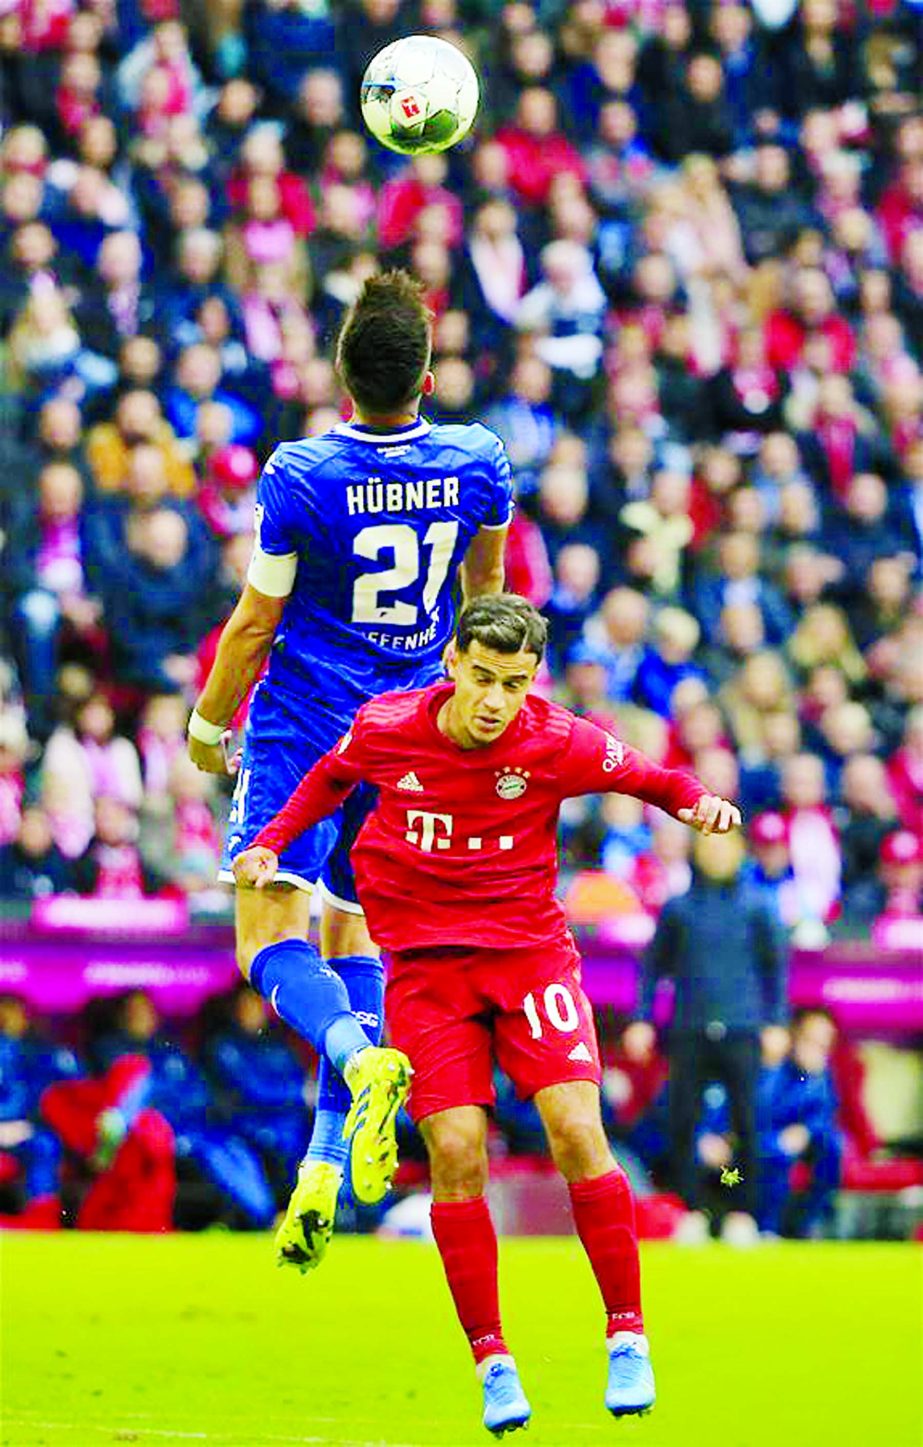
410,782
580,1052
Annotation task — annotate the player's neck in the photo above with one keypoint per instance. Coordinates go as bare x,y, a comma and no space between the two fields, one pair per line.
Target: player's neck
386,422
449,725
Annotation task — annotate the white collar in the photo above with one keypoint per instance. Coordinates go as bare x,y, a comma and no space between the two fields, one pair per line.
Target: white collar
361,433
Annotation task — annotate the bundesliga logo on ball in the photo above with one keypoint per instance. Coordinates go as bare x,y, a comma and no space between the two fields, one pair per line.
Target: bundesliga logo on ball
419,94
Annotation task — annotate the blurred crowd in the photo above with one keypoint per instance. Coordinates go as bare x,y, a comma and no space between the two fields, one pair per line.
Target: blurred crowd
122,1120
679,269
104,1121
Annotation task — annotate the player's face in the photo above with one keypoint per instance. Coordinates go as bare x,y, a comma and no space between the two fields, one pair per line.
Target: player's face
490,689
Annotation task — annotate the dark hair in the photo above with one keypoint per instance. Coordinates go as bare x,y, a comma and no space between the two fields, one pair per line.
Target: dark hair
385,343
812,1012
504,622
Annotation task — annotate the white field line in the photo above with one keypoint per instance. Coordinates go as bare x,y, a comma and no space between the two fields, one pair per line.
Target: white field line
171,1434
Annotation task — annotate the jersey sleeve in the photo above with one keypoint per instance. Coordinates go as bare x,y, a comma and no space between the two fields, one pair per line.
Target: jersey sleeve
596,762
275,554
500,502
321,791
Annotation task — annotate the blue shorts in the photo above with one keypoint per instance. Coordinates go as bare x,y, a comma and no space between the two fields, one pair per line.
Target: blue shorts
279,749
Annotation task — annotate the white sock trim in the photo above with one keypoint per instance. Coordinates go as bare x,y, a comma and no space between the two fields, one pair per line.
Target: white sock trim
483,1367
349,1068
310,1163
635,1339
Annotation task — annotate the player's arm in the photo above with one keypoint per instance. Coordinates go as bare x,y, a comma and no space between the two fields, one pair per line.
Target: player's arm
482,570
242,650
248,635
596,762
320,794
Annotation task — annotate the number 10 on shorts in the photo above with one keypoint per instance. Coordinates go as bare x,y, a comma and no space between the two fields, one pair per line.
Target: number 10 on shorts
560,1011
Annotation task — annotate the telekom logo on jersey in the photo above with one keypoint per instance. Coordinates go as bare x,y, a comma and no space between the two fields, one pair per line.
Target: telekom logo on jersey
435,831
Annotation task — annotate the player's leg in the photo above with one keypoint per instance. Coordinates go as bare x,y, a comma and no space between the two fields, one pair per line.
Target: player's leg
311,997
546,1043
272,924
435,1018
275,954
347,948
456,1143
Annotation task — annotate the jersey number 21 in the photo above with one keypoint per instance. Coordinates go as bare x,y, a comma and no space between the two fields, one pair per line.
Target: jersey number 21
402,540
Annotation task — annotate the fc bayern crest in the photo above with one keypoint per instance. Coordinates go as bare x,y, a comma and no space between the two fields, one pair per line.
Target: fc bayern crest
512,783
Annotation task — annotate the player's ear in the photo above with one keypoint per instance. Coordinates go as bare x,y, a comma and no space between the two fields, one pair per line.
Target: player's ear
429,384
450,658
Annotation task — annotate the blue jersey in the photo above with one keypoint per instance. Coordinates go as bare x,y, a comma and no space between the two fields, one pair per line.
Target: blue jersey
379,524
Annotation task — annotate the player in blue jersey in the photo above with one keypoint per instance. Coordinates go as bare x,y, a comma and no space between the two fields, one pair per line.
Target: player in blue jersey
361,536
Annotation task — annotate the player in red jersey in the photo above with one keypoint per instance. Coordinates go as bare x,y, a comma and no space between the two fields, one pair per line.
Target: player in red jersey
456,869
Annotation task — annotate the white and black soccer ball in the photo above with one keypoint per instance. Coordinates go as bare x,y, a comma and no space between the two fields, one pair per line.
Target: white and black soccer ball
419,94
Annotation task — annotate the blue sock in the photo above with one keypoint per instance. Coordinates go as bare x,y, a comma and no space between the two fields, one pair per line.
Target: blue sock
309,996
364,978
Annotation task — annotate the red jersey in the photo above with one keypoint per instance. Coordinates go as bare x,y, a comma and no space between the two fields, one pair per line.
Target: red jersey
461,848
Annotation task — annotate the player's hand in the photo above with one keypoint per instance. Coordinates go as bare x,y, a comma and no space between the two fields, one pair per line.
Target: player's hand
219,758
256,867
794,1139
638,1041
774,1044
712,815
714,1151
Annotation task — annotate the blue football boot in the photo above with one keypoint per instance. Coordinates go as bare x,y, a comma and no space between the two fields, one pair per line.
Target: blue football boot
505,1406
630,1384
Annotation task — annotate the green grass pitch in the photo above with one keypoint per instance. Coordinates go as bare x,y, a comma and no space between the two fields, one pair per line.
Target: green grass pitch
200,1339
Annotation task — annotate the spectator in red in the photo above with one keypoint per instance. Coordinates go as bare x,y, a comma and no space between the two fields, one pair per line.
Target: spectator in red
105,1123
812,310
865,816
402,200
841,439
161,736
905,774
111,867
663,870
78,94
901,874
747,396
813,842
262,157
900,210
47,574
227,497
83,764
181,839
528,571
536,149
14,748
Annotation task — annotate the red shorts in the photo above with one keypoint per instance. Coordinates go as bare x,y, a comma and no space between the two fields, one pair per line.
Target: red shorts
458,1010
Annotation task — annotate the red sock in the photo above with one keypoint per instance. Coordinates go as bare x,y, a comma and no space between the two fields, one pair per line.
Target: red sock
604,1214
467,1244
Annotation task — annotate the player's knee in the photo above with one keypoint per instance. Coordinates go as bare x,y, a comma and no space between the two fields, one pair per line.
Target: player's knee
250,943
458,1162
579,1147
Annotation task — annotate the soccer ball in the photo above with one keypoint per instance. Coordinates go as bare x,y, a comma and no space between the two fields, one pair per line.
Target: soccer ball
419,94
